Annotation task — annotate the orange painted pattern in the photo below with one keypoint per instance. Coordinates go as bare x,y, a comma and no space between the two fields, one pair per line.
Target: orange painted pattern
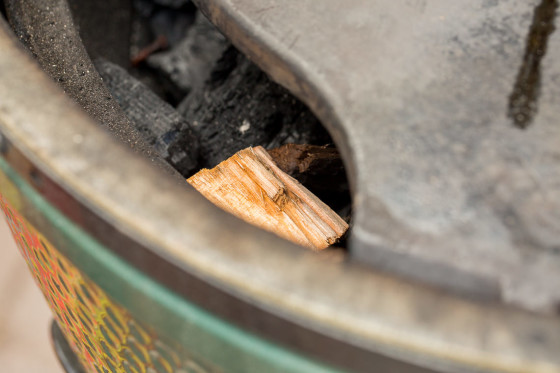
103,335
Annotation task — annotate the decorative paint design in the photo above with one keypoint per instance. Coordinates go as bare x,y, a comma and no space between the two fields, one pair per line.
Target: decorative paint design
103,335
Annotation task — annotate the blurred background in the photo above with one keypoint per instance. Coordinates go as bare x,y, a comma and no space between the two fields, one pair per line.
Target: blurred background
25,345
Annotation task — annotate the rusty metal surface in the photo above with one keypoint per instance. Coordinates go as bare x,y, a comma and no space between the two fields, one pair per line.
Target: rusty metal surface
360,308
448,189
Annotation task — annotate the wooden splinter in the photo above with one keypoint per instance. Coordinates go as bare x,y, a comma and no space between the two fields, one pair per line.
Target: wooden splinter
251,186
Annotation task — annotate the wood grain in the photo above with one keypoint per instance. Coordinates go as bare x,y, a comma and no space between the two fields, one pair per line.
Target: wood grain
251,186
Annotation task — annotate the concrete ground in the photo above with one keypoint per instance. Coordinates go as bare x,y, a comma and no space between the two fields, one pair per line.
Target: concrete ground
25,345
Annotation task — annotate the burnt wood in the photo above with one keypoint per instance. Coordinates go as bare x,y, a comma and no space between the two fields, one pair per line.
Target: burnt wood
239,106
159,123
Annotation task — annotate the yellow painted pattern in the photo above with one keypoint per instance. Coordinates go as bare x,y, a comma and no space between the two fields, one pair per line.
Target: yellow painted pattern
103,335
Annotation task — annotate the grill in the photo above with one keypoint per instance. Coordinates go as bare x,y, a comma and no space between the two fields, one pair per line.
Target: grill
452,259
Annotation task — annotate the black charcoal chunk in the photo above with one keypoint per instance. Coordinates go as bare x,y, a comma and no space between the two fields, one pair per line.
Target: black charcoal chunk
172,24
158,122
154,28
239,106
188,64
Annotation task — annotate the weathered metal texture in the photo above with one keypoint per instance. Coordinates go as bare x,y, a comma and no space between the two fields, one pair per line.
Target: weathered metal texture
417,94
331,310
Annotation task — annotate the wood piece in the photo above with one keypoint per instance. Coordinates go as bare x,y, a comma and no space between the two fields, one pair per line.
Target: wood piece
251,186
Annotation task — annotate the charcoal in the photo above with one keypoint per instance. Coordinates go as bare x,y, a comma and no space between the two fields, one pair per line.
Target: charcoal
144,8
189,64
156,28
172,24
170,19
239,106
158,122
